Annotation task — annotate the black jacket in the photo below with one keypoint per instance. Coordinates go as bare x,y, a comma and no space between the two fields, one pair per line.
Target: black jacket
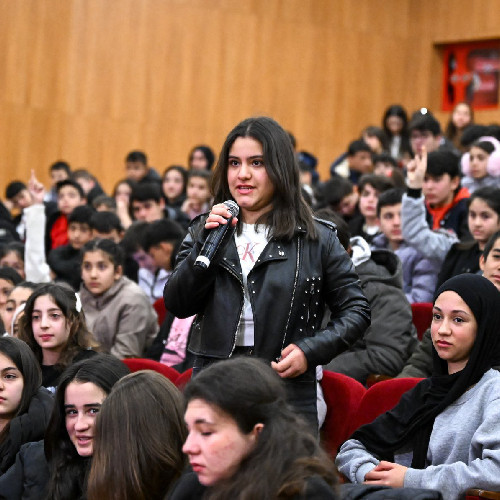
8,231
64,261
289,286
189,488
461,258
27,479
391,338
30,426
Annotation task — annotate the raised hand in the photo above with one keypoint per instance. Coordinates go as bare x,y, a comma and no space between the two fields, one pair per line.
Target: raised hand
416,169
36,189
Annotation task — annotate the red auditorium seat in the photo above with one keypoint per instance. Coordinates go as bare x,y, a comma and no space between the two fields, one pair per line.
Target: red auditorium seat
136,364
421,316
380,398
342,396
161,311
184,378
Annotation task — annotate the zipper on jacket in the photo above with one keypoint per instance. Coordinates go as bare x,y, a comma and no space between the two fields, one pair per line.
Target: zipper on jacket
241,308
311,291
297,265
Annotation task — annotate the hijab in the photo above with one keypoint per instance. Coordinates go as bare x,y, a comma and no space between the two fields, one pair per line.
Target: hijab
410,422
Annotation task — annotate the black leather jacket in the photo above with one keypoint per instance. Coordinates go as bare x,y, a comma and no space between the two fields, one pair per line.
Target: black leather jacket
289,286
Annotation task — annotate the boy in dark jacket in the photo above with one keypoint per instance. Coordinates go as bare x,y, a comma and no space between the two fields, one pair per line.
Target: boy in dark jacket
136,165
391,337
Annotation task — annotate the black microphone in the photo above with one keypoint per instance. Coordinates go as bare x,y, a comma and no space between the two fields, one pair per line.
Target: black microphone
215,236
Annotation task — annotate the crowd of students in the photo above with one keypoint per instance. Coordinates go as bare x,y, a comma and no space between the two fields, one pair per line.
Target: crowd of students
410,214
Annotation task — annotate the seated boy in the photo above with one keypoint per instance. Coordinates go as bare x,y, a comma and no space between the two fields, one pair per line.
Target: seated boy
39,229
434,209
136,165
69,196
425,133
357,162
419,273
140,266
18,194
385,164
147,204
161,241
104,203
366,224
391,337
59,171
106,225
64,261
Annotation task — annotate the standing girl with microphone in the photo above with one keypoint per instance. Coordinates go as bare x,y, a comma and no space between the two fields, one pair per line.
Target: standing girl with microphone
266,288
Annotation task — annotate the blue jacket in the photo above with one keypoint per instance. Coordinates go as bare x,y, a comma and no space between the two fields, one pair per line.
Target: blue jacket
419,273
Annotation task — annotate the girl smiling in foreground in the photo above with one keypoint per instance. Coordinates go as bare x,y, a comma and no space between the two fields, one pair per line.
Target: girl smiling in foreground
57,468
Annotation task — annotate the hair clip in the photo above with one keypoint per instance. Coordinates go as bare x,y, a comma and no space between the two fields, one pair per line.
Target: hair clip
78,303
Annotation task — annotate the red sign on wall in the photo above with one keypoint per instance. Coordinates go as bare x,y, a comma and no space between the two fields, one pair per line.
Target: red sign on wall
471,74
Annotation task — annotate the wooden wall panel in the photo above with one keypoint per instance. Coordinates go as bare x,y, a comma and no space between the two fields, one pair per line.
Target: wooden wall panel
89,80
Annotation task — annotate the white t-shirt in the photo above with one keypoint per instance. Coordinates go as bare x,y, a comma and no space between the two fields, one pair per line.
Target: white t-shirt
249,245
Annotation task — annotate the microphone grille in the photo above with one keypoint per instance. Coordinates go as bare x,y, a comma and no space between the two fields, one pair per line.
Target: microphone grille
233,208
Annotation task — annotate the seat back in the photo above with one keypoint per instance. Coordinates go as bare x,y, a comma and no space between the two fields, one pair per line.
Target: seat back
421,317
380,398
136,364
184,378
161,310
342,395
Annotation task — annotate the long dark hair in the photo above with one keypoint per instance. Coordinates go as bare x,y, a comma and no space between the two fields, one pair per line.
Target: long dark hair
79,337
24,359
410,422
289,210
207,153
285,454
399,111
138,441
184,174
68,471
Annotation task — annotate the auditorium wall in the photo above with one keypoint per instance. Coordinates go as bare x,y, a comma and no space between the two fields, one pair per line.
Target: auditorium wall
89,80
